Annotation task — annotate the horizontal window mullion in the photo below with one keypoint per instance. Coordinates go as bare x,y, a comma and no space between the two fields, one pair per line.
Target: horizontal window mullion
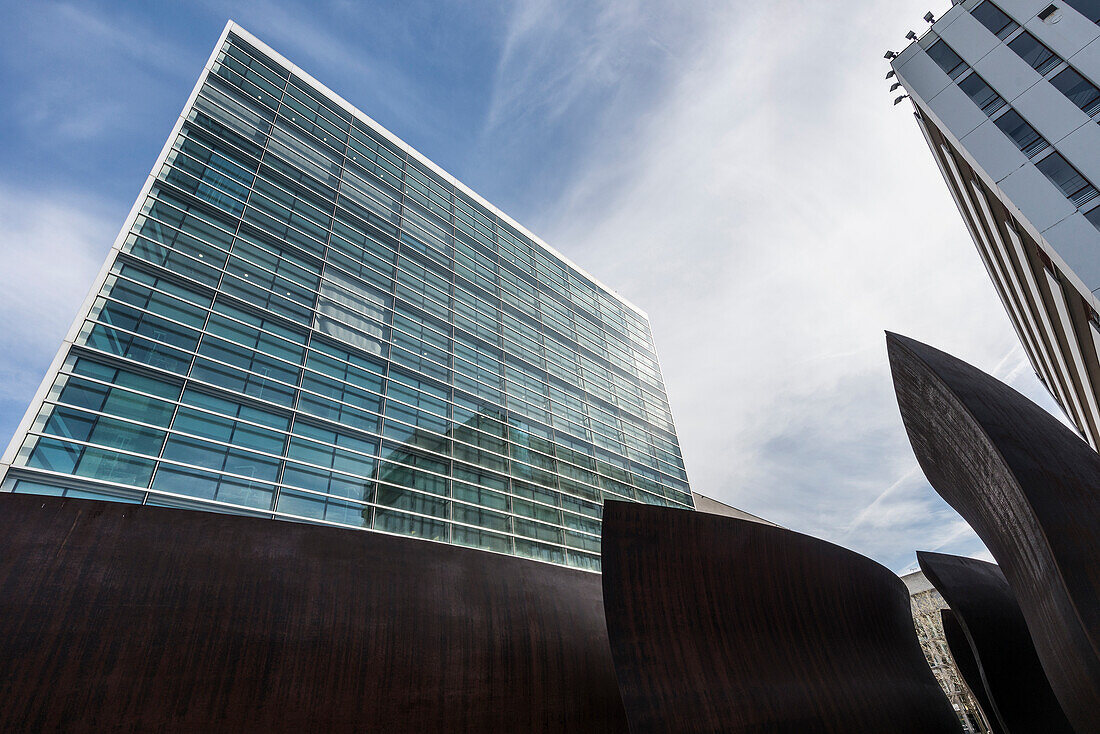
211,309
121,330
256,193
122,275
129,420
323,148
89,444
278,72
166,171
147,213
207,96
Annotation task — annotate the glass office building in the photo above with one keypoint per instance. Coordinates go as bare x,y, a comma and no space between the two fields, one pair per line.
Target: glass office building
305,319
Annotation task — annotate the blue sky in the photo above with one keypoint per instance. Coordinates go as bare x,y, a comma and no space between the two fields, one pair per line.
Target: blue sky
736,169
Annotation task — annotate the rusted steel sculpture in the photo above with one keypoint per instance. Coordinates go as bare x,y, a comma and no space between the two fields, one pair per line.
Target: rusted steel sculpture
968,667
1030,488
1019,695
719,624
116,617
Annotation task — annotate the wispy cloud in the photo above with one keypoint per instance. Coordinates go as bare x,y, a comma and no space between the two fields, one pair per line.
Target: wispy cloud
558,56
774,214
548,63
51,249
298,32
61,45
878,512
130,38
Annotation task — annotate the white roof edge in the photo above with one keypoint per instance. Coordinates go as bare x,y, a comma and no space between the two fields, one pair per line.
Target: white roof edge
232,25
916,582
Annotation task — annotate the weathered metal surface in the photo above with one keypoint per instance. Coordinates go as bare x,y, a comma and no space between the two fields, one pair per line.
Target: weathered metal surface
720,624
115,617
1019,694
968,667
1030,488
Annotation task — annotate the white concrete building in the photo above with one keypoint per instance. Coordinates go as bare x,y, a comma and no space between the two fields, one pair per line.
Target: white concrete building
926,604
1007,94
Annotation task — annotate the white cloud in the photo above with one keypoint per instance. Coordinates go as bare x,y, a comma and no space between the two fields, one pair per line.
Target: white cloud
70,43
51,248
570,58
775,214
82,25
549,60
984,555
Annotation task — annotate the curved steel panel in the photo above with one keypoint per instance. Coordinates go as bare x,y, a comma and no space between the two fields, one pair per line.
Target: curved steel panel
1019,694
720,624
1030,488
142,618
967,666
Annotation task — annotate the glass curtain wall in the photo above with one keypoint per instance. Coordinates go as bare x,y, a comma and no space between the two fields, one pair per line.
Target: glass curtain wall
307,321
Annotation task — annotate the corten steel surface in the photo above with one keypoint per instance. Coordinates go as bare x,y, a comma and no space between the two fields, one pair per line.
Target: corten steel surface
968,666
116,617
1030,488
726,625
1019,694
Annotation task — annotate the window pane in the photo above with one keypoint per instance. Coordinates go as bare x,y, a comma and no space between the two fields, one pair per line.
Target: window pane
994,19
481,539
982,94
1078,90
245,492
1094,217
127,436
947,59
1038,56
84,394
301,504
1023,134
186,481
1065,177
54,456
1088,8
114,467
584,560
541,551
421,527
73,424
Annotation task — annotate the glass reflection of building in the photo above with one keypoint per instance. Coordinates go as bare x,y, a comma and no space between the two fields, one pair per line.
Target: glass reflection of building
305,319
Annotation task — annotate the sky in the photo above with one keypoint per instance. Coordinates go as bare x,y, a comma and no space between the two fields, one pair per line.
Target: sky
736,169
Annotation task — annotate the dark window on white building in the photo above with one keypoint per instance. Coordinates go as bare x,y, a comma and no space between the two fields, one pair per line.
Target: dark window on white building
1076,188
1023,134
947,59
982,94
1078,89
994,19
1088,8
1038,56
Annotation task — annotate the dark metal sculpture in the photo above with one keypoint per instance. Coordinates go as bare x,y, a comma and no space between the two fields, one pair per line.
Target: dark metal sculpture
1030,488
968,667
720,624
116,617
1019,695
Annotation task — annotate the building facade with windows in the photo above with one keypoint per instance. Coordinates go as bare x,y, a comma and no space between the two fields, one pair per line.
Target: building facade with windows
926,604
1007,95
303,318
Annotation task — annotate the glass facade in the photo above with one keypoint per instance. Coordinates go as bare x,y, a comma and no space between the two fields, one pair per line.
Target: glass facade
304,319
